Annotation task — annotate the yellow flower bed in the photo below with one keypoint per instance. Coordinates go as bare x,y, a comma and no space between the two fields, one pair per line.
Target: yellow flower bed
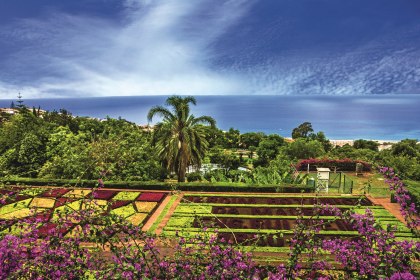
42,202
124,211
18,214
14,206
126,196
97,204
145,206
137,218
77,193
71,207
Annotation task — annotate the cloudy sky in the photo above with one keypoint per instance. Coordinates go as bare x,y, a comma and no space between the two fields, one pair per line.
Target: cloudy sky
60,48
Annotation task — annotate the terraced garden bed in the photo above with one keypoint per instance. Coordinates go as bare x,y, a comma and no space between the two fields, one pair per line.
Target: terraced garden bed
47,203
245,219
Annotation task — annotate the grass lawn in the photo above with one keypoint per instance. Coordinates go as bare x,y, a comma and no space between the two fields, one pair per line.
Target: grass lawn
378,187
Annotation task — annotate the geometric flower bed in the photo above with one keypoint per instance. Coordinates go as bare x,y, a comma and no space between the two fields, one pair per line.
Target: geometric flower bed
46,203
242,218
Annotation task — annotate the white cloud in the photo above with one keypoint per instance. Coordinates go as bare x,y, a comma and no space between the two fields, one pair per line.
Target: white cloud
161,47
158,49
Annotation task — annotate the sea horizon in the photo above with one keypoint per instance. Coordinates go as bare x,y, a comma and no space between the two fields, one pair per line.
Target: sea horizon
378,117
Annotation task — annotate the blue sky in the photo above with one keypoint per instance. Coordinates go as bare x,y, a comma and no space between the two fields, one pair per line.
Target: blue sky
58,48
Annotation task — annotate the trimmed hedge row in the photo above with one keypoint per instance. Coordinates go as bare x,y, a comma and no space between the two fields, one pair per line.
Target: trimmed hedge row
139,185
341,164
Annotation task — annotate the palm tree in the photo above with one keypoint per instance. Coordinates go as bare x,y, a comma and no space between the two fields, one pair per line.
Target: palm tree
180,136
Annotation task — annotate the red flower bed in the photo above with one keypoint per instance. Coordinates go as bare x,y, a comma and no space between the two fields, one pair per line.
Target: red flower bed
341,164
63,200
48,228
20,198
260,223
276,200
152,197
9,192
266,211
103,194
43,217
54,193
119,203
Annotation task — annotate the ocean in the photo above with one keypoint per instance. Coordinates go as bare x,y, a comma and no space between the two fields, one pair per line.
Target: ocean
382,117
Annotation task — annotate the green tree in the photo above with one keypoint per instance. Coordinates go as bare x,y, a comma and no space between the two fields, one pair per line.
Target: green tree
69,156
406,147
62,118
225,159
304,130
350,152
251,139
22,144
366,144
232,138
20,102
215,137
320,137
180,137
303,149
268,149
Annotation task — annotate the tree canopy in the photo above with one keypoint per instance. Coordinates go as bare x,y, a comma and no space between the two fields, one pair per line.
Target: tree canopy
180,136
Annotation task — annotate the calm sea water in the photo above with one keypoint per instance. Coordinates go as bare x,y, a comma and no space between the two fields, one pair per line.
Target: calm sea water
387,117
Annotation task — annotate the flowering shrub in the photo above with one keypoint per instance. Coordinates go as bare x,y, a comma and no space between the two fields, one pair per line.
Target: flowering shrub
407,206
375,252
341,164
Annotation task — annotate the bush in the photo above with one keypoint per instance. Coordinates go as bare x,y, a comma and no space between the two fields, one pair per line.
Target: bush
190,186
341,164
194,176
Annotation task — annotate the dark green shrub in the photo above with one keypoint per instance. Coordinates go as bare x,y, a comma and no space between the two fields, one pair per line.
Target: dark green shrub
194,176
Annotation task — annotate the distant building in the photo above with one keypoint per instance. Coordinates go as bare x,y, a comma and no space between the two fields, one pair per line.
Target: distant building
147,128
14,111
9,111
341,143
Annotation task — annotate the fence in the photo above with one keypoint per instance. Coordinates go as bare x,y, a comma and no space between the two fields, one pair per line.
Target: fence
338,182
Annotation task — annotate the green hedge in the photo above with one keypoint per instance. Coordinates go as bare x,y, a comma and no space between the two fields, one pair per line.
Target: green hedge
138,185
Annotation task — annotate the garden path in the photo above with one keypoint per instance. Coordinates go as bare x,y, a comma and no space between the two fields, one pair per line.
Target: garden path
393,208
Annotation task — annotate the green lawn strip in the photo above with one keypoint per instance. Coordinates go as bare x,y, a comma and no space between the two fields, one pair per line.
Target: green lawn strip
265,249
192,232
414,239
180,222
32,191
376,212
193,209
276,205
404,234
401,227
162,214
258,231
126,196
202,215
9,208
270,196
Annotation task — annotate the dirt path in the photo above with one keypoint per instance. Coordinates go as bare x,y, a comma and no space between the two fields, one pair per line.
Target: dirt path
156,214
393,208
169,214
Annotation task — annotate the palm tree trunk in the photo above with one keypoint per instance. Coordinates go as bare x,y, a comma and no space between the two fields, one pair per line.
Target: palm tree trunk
181,174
